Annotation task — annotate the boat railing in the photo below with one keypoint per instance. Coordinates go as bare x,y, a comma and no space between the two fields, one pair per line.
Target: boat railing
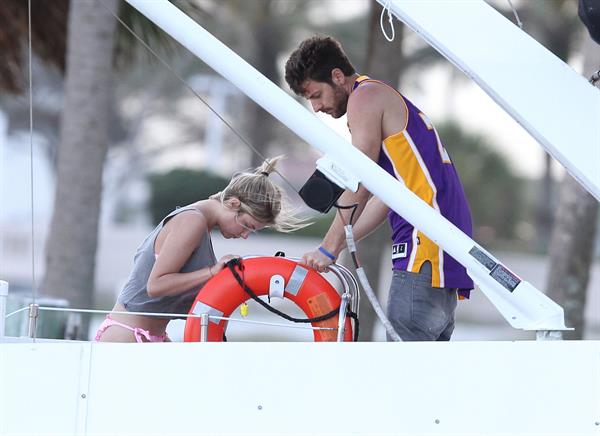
349,299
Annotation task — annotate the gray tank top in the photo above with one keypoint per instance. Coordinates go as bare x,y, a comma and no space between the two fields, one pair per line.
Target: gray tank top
134,296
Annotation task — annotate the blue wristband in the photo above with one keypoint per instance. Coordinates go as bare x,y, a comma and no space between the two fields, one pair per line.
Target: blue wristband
327,253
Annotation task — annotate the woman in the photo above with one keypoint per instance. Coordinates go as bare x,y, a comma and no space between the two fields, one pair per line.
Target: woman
177,258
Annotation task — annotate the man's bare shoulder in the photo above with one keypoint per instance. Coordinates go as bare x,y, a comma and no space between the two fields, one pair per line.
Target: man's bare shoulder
369,95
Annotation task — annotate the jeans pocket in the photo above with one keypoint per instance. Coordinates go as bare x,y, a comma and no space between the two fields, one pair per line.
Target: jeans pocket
398,302
429,308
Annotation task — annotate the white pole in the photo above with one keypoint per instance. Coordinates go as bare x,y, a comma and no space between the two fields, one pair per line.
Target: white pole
3,181
517,76
3,298
520,303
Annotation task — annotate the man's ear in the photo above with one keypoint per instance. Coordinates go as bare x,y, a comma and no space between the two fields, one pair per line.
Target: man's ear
338,77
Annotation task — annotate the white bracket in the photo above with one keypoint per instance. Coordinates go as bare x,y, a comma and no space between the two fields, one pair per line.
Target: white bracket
337,174
276,286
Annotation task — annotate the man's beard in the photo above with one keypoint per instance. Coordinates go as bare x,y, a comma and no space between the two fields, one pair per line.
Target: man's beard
340,101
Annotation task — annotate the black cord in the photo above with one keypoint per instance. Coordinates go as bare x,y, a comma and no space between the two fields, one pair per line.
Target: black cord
238,262
354,207
355,260
354,316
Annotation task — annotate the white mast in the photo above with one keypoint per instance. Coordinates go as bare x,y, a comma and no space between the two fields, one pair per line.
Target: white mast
522,305
554,103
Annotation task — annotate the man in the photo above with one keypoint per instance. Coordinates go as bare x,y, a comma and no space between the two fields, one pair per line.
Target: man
401,139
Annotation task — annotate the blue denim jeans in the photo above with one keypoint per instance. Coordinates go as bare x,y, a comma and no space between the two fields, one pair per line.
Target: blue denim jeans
418,311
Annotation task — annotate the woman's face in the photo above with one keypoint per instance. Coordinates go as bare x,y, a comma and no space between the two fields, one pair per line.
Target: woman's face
236,224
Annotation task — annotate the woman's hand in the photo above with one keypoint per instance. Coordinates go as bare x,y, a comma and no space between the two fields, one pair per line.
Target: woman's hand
221,263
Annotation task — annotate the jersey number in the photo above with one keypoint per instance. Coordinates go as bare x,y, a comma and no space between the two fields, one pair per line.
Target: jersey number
443,153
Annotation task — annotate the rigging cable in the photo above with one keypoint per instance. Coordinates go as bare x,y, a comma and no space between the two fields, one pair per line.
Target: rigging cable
33,283
514,10
362,276
193,91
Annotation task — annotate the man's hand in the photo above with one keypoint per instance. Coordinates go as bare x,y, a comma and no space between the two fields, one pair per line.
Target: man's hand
316,260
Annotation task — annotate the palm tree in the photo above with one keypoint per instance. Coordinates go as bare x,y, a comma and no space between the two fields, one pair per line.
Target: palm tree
554,24
87,29
261,32
48,29
573,236
73,236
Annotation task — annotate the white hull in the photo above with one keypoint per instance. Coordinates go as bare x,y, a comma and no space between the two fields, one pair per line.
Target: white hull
466,388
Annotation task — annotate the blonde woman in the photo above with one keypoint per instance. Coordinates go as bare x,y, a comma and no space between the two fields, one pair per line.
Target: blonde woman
177,258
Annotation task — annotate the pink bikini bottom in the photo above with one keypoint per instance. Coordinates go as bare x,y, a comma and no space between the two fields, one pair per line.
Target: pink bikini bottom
138,332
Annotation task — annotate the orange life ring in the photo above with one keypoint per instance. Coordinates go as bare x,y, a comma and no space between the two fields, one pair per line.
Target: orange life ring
222,294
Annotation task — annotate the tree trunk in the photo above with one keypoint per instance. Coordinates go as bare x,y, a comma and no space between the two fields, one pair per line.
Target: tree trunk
384,62
544,212
572,241
268,40
73,234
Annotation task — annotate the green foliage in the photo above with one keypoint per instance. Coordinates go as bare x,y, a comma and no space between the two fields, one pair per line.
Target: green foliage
494,191
180,187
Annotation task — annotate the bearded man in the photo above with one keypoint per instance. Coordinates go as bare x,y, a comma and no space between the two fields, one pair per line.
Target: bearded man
389,129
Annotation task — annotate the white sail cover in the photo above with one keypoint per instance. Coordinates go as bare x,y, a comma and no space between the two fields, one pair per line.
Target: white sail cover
554,103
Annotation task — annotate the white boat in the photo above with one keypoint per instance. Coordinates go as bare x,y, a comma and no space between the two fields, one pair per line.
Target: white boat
548,387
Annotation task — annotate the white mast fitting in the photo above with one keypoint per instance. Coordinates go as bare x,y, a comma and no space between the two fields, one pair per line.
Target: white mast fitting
521,304
537,89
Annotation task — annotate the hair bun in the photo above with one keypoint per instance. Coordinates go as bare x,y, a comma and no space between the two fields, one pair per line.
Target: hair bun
268,166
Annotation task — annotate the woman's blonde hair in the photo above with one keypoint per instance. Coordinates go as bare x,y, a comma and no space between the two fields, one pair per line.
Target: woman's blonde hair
261,198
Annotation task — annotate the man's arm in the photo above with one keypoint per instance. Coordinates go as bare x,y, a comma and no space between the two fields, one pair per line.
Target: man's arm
365,114
373,216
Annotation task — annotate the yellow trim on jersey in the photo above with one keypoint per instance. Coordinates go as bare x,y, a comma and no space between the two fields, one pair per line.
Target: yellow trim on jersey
361,78
415,175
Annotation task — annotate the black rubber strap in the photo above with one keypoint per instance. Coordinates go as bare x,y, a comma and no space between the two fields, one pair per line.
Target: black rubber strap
354,316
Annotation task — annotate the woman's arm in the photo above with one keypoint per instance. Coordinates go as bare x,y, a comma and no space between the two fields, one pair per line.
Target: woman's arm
182,235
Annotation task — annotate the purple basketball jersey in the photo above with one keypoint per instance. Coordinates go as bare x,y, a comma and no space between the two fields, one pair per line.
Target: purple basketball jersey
416,157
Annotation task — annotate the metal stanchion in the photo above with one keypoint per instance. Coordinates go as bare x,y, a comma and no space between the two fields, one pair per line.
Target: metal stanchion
342,317
3,298
204,320
34,311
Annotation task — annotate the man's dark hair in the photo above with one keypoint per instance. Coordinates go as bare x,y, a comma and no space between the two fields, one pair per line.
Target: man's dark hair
314,59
